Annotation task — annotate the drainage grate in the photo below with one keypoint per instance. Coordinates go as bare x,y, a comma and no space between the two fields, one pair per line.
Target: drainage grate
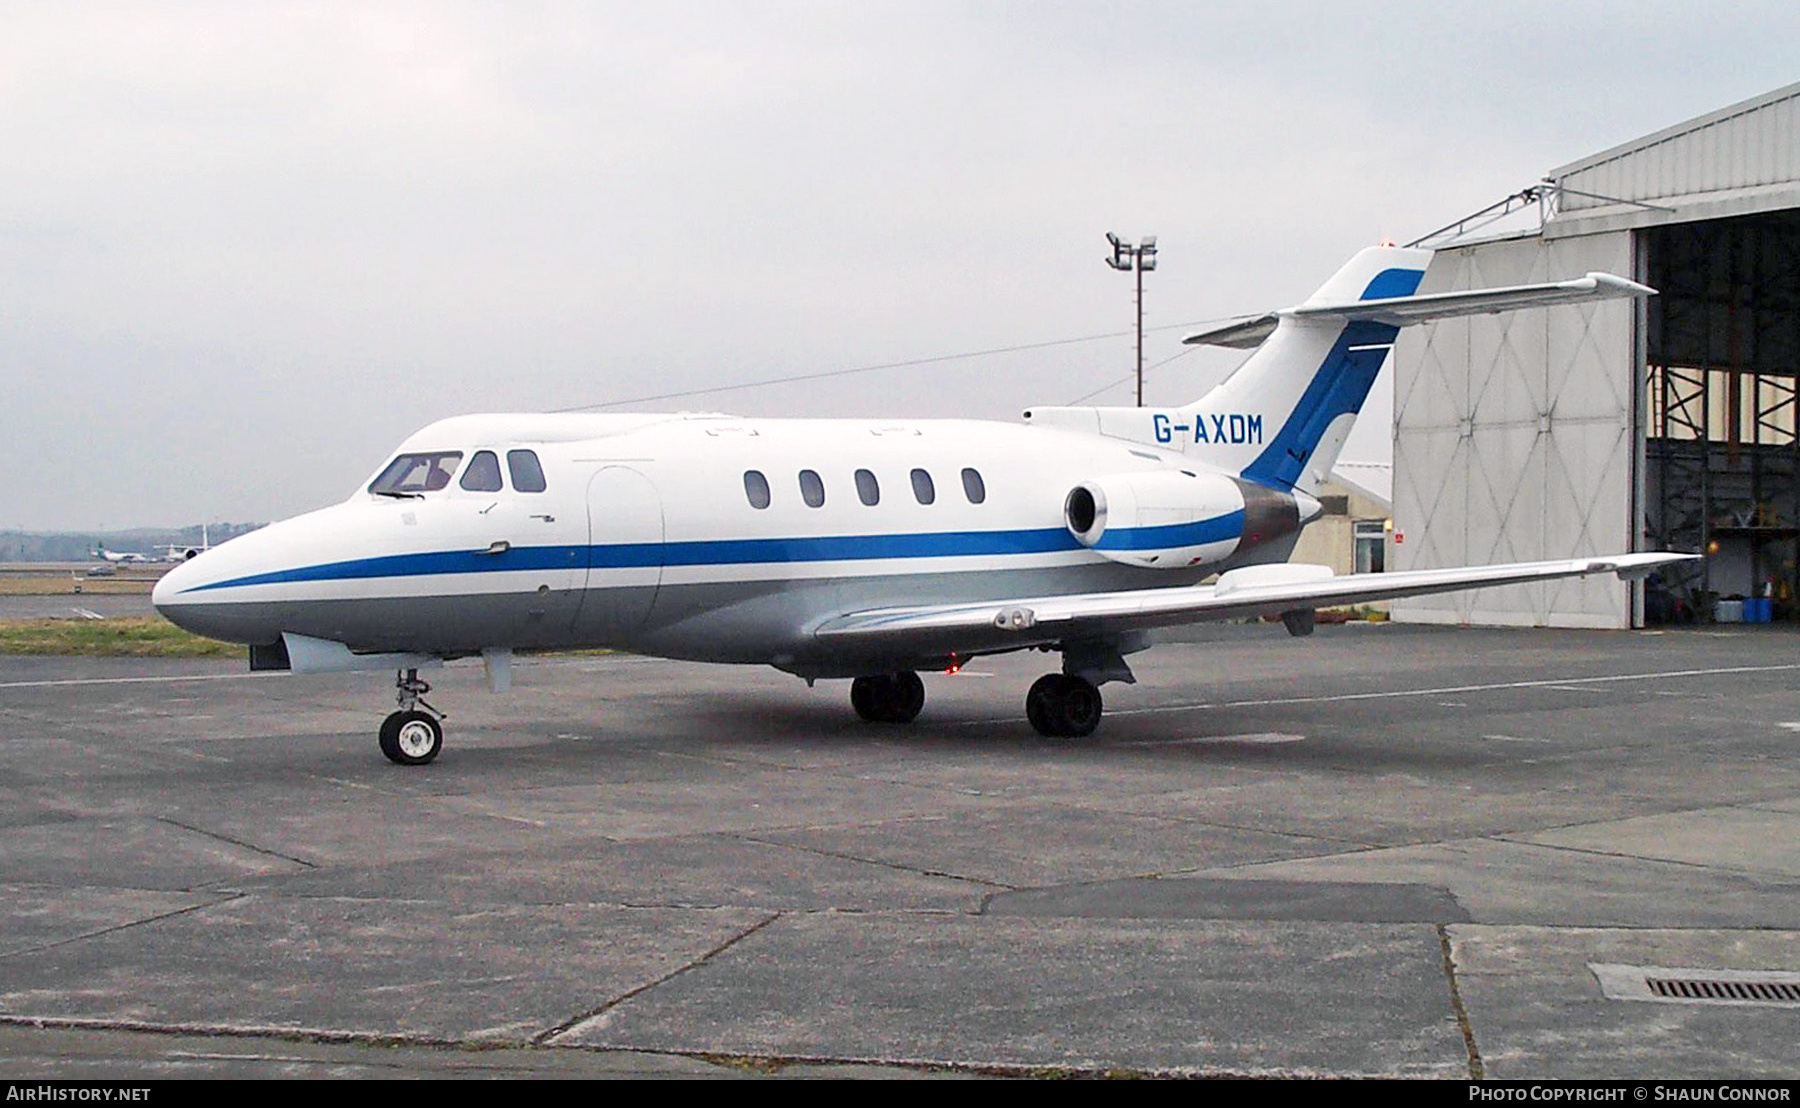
1680,988
1768,988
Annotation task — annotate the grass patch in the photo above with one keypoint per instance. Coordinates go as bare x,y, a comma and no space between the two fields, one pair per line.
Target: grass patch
126,637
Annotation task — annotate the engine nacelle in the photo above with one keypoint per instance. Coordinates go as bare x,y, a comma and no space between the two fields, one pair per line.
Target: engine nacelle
1172,519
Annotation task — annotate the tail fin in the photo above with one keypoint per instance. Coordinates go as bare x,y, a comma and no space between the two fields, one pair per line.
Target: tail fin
1315,362
1309,377
1282,417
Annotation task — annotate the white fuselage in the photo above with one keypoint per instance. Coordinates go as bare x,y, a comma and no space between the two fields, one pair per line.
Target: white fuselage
648,535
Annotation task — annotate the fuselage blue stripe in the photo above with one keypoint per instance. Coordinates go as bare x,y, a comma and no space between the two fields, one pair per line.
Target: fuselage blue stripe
1199,533
726,552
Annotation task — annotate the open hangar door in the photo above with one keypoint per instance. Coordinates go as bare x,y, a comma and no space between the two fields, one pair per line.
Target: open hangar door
1721,458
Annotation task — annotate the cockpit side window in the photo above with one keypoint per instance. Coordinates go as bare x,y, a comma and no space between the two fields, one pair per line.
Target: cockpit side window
415,474
483,474
527,474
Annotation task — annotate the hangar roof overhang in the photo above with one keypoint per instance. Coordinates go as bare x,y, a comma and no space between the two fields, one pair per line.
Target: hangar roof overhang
1738,160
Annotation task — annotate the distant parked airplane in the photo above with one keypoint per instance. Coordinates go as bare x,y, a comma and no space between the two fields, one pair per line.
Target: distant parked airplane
130,559
861,549
175,552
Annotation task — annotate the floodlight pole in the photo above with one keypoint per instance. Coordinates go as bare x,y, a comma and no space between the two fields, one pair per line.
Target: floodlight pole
1140,259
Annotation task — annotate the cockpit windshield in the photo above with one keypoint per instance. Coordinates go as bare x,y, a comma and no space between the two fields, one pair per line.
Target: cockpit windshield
412,475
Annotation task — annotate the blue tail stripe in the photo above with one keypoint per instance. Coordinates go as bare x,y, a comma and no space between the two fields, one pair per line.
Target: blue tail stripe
1393,282
1338,388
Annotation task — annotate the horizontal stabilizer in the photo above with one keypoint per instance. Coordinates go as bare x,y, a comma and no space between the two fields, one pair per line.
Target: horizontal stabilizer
1243,333
1400,311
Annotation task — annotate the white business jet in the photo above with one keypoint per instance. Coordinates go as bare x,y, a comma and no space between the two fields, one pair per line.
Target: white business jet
861,549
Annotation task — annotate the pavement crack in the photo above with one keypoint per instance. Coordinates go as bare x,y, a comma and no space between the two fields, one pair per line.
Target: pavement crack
1456,1005
237,842
896,866
1257,863
159,917
1596,852
545,1038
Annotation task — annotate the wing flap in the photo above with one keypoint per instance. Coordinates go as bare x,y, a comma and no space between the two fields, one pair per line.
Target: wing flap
1252,591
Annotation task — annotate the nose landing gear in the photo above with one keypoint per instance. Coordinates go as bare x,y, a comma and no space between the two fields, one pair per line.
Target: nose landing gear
411,737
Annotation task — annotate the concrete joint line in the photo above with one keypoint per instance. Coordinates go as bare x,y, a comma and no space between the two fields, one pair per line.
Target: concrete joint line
896,866
1456,1005
236,842
123,926
1706,867
545,1038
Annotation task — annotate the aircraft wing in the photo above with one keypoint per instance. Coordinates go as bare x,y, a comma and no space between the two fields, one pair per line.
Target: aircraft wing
1251,591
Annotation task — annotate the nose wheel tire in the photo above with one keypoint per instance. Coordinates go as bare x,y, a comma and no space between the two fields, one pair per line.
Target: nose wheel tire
888,697
411,738
1063,707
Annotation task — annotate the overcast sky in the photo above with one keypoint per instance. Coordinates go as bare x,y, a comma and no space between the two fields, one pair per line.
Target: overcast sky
247,248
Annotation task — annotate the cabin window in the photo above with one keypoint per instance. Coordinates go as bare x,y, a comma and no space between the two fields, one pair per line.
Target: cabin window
483,474
527,474
756,487
868,490
812,489
923,490
413,474
973,488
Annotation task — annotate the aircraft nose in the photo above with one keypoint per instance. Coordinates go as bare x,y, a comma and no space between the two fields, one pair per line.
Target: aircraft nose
170,585
195,596
179,597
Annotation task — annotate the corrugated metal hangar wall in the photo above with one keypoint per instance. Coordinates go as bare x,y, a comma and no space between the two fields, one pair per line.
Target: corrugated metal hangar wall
1620,426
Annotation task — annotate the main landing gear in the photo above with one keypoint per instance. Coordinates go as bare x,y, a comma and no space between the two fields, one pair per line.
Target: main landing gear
888,697
411,737
1063,706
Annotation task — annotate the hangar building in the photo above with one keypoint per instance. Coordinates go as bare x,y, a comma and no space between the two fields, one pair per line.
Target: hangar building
1625,425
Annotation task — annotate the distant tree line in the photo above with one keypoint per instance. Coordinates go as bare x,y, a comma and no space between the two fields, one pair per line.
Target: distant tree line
78,546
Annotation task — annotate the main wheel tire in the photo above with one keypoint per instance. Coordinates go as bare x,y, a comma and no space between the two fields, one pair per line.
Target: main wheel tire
1081,708
416,738
866,698
906,697
1063,707
1040,705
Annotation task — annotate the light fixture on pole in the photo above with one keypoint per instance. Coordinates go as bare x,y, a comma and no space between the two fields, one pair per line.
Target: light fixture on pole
1140,259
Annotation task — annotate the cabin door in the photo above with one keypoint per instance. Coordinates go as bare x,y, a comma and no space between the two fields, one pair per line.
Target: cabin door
625,555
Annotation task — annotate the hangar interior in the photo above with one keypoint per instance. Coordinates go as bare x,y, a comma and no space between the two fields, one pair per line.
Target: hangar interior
1722,457
1666,424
